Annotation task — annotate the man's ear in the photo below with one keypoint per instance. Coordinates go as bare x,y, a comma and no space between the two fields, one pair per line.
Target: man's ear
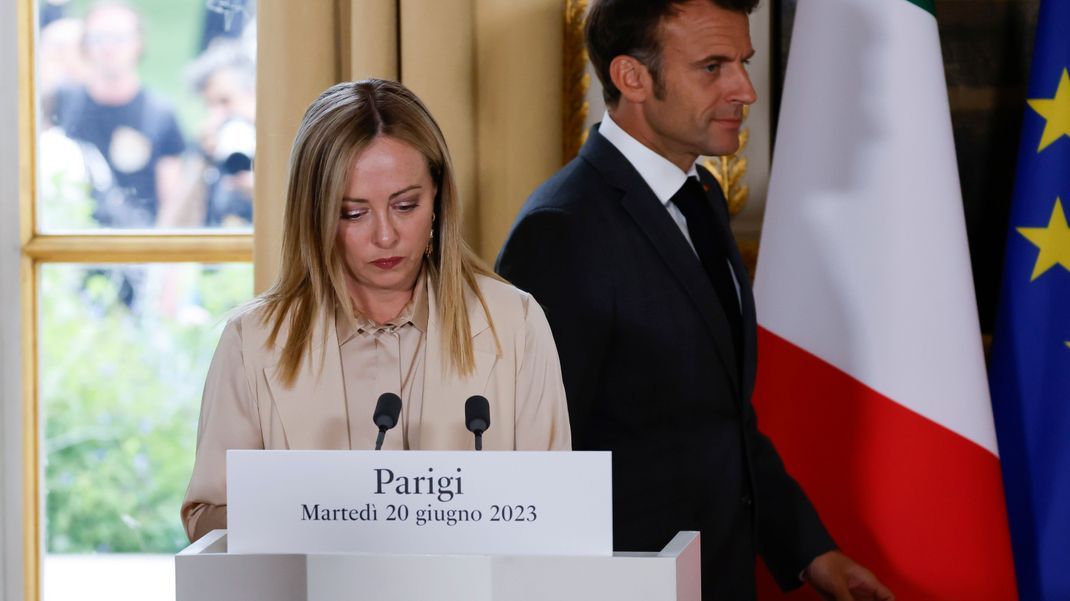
631,77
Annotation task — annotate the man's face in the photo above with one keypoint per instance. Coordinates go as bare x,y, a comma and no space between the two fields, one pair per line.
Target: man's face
112,42
227,97
704,83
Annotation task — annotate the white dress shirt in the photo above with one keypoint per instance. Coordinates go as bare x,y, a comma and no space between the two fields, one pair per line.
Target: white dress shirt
662,176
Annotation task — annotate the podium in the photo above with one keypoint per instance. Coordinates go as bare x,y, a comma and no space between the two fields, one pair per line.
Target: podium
423,525
205,571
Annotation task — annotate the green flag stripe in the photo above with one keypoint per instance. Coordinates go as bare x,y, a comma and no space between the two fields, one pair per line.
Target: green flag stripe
927,5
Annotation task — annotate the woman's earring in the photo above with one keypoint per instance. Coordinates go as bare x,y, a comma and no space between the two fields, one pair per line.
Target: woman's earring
431,241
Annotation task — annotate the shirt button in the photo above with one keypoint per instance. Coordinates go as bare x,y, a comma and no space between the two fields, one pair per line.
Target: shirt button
746,500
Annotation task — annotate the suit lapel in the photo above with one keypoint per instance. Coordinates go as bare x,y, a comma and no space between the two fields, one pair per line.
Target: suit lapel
445,392
313,410
662,232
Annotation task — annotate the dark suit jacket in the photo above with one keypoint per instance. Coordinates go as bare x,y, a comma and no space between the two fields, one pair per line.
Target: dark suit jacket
651,372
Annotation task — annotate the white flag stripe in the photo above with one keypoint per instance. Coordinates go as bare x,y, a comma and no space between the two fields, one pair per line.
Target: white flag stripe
864,261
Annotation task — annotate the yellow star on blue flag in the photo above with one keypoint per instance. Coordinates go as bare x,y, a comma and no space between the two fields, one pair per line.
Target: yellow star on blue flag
1053,241
1056,111
1030,369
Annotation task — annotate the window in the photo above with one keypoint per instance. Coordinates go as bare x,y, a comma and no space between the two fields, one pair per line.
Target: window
136,243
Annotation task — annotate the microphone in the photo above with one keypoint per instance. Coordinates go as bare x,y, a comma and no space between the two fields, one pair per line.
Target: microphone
387,410
477,417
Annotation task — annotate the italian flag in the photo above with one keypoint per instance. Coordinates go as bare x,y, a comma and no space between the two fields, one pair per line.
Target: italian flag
871,375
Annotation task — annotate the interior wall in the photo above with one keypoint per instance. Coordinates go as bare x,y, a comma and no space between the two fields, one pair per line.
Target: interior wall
10,333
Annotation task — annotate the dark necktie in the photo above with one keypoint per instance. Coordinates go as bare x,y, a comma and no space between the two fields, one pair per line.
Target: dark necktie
702,227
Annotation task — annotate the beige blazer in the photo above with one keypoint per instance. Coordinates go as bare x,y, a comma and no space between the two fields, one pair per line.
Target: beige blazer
246,406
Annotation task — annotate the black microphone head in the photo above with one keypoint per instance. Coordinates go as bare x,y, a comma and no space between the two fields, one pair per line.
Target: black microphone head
477,414
387,410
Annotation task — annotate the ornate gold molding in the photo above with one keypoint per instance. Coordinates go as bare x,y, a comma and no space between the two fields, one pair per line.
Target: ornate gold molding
731,171
576,81
748,251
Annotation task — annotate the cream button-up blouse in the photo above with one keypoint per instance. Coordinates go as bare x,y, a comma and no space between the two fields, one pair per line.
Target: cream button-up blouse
378,358
351,362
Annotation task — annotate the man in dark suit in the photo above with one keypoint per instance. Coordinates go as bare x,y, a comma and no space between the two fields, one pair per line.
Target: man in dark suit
628,248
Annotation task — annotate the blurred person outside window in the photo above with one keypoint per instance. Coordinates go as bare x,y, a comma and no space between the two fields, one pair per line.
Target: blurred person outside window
69,169
224,77
59,58
133,127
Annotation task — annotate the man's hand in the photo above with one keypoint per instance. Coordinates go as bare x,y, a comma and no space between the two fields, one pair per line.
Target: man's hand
838,578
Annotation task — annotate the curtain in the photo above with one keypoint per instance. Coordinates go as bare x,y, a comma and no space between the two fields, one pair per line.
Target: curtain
489,70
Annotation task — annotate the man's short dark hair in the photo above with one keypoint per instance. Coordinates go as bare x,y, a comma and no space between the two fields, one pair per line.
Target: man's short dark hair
630,27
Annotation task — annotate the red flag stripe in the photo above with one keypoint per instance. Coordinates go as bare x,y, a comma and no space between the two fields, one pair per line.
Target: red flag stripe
918,504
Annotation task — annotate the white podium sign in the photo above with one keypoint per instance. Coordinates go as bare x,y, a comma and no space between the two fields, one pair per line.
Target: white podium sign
419,502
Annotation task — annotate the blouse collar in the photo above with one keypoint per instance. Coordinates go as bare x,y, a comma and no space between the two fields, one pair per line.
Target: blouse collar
415,312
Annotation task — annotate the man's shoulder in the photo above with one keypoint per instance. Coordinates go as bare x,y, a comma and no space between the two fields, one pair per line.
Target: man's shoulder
67,93
573,188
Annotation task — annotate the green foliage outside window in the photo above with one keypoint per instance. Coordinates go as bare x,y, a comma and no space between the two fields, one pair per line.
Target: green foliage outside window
120,383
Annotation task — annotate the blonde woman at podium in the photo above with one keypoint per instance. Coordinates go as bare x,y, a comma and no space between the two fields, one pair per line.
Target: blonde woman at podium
377,293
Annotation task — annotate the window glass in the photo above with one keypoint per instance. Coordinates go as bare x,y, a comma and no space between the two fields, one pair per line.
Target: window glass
147,114
123,352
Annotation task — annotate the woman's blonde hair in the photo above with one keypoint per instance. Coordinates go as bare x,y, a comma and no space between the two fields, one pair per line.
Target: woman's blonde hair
310,286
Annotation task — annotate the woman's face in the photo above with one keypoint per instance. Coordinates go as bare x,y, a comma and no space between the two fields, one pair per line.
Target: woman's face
385,220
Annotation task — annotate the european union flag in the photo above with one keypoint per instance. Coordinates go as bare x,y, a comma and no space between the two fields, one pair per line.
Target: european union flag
1030,373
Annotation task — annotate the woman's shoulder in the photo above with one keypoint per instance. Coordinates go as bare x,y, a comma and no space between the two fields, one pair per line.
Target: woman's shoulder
249,319
250,327
499,292
509,304
261,333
